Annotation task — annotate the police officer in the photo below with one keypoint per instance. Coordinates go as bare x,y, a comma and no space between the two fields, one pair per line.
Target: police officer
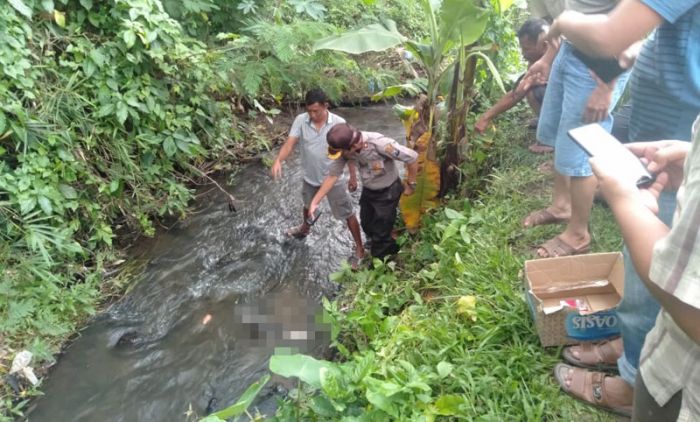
376,157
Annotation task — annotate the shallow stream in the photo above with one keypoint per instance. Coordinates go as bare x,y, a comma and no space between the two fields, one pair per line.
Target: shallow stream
220,292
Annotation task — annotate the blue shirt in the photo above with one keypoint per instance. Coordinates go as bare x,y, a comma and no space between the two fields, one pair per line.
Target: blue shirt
676,47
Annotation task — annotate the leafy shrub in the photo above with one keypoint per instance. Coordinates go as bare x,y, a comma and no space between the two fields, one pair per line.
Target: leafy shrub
107,108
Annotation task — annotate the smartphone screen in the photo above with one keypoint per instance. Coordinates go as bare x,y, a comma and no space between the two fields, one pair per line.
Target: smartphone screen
597,142
607,69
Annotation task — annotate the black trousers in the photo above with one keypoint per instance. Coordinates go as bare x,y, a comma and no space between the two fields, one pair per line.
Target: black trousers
377,215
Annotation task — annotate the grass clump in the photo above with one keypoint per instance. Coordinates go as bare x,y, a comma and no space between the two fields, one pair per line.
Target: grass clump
445,331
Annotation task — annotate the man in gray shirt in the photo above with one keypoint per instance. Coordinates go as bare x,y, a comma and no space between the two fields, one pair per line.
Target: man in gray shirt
309,131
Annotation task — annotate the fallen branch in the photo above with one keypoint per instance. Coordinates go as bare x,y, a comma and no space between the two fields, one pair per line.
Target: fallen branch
231,198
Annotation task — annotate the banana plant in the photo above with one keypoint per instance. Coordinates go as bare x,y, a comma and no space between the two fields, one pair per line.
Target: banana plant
454,26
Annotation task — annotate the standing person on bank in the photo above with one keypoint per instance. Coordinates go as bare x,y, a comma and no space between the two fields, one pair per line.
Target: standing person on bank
376,156
573,98
309,130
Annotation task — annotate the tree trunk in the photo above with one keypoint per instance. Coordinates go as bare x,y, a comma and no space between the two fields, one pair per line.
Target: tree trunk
449,168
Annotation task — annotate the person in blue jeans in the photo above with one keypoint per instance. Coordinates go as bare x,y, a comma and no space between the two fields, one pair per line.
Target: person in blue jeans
665,99
574,97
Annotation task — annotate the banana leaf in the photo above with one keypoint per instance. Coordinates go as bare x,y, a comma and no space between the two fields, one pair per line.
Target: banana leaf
374,37
427,187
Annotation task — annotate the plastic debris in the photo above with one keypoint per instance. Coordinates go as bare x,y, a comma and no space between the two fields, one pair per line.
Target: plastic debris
20,364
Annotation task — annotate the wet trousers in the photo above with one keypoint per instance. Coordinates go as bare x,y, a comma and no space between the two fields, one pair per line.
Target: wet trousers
377,217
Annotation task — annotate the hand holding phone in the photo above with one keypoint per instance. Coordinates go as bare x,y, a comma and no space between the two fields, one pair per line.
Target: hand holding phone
597,142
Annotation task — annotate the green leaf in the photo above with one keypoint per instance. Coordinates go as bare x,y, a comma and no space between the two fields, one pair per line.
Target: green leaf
59,18
448,404
503,5
374,37
461,21
244,401
394,90
21,7
45,204
26,204
452,214
211,418
22,309
444,369
252,80
47,5
3,122
303,367
169,146
122,112
98,57
115,186
129,38
89,68
184,146
492,68
87,4
68,191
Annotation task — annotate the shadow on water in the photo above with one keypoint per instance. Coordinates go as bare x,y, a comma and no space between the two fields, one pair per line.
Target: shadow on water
220,293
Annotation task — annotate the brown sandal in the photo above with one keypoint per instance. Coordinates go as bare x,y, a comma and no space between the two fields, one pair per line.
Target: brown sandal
600,356
542,217
597,388
556,247
539,148
298,232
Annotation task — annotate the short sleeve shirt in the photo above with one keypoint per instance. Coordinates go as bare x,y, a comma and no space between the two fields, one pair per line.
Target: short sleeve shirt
376,161
546,8
670,360
314,149
675,49
591,7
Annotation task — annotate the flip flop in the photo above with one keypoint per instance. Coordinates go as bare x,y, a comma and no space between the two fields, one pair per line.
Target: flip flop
599,356
602,390
297,232
556,247
541,218
538,148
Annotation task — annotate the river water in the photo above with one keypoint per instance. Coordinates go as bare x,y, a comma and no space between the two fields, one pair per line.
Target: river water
221,291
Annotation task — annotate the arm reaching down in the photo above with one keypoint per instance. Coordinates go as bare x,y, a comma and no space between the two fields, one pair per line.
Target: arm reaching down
504,104
326,187
284,153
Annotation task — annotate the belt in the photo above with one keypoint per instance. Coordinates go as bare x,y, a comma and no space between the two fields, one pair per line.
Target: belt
381,190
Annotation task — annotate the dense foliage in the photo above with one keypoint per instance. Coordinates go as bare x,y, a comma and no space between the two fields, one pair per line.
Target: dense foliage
108,109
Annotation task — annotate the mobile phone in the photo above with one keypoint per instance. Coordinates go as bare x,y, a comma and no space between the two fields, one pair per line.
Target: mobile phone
606,69
311,220
597,142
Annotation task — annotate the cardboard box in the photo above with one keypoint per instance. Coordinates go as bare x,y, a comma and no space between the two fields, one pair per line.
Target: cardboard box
573,298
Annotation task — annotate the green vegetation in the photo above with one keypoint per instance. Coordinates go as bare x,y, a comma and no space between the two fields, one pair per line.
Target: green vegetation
445,331
108,110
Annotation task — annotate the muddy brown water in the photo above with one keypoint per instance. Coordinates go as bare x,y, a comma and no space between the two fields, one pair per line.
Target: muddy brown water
151,357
